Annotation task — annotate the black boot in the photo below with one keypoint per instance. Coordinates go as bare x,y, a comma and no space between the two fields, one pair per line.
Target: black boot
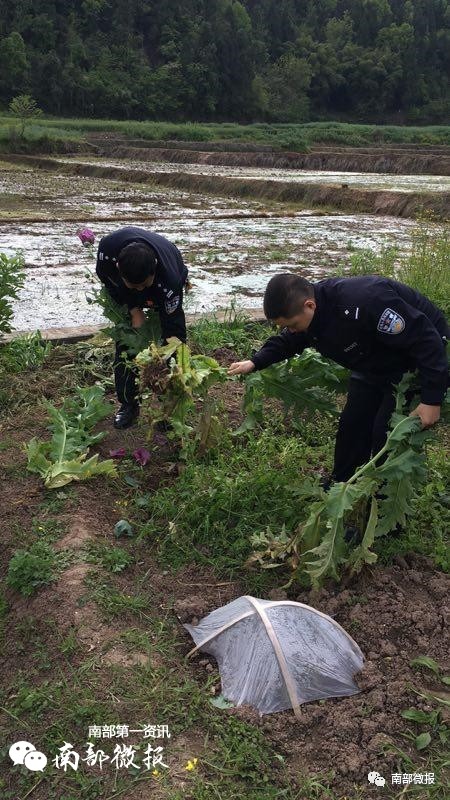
126,415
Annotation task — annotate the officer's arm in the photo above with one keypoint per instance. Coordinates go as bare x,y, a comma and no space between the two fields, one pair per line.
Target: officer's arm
411,331
137,317
106,273
277,348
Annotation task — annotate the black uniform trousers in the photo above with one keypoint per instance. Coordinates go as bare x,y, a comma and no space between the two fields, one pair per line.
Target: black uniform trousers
125,375
363,424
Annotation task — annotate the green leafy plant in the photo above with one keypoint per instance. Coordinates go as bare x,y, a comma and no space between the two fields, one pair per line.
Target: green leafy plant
318,548
121,330
431,664
62,459
32,568
114,559
306,382
179,385
435,727
25,352
12,277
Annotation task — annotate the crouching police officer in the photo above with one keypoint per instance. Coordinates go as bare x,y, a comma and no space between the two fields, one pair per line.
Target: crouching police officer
141,269
378,328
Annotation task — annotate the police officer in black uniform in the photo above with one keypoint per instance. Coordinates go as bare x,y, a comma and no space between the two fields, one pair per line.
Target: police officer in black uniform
141,269
379,329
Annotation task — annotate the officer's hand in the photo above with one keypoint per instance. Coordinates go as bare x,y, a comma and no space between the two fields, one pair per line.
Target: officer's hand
429,415
241,368
137,317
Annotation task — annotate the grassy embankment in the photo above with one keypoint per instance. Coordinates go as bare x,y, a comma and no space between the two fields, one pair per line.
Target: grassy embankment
52,134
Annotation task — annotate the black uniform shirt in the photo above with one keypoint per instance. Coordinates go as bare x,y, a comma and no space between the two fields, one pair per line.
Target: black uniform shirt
166,292
374,326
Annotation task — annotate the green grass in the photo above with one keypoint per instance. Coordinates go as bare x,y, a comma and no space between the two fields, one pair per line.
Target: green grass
236,332
44,138
31,569
244,486
289,136
241,487
427,267
113,559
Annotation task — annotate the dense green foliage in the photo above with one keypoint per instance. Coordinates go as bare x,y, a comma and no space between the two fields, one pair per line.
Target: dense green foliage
121,330
303,382
63,135
319,548
287,60
62,459
30,569
12,277
24,353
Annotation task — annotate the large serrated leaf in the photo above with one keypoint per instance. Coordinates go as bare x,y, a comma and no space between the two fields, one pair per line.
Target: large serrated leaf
63,458
362,554
78,470
328,556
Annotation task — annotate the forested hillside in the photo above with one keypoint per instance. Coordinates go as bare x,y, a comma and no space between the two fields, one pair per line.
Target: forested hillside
283,60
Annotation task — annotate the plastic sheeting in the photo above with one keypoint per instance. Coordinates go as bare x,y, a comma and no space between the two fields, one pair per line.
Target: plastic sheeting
275,655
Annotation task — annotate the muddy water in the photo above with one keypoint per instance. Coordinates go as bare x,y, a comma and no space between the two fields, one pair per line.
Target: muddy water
360,180
232,247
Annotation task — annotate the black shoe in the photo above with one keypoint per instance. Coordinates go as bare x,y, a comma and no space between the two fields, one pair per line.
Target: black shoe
325,482
353,535
126,415
163,426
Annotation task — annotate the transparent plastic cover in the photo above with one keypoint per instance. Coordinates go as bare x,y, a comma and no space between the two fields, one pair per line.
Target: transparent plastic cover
275,655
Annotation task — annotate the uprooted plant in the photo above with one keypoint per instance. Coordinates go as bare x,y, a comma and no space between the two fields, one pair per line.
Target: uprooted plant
63,458
121,330
303,383
387,483
180,380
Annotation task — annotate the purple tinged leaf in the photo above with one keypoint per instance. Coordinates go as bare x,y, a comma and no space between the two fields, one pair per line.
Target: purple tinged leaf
142,456
86,236
160,439
120,453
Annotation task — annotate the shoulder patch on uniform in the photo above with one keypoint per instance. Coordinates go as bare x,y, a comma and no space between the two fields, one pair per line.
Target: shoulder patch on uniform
390,322
172,304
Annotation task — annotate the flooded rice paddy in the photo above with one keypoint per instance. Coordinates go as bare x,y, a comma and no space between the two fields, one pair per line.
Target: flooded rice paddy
232,246
358,180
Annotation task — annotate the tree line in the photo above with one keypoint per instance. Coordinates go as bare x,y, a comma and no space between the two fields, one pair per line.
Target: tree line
241,60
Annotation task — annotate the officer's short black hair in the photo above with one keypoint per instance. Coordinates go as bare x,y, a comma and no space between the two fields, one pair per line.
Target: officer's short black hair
285,295
137,262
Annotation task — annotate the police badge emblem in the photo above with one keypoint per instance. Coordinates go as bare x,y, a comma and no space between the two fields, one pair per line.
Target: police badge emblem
172,304
390,322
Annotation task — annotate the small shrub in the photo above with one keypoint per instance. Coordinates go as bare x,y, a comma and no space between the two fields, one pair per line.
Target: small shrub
24,353
25,108
32,568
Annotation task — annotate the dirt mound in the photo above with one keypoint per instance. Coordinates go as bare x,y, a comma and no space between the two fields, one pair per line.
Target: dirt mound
395,615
